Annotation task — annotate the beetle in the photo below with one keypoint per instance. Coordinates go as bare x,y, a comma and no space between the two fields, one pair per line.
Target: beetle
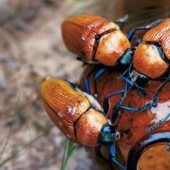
94,39
77,114
152,55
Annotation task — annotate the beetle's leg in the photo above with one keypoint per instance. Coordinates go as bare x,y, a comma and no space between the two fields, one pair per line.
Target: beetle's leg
113,156
121,21
140,91
97,75
137,80
131,76
106,102
164,119
107,136
151,25
98,152
87,83
116,108
138,88
128,85
153,103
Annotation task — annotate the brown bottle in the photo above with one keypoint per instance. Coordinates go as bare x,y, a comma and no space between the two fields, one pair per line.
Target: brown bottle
145,135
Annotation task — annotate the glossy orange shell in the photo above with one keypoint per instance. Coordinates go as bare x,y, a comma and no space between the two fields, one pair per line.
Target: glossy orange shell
132,125
160,33
111,47
79,37
148,61
89,126
70,112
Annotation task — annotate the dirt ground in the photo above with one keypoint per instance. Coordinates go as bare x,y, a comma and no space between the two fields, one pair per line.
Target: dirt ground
31,47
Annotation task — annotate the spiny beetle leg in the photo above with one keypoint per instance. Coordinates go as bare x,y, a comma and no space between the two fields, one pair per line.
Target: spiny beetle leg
138,81
141,91
97,75
126,75
113,157
87,83
116,108
132,85
107,136
106,102
98,152
121,21
151,25
153,103
164,119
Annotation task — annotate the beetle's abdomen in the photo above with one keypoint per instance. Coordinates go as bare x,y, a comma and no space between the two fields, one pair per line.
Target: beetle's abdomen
93,38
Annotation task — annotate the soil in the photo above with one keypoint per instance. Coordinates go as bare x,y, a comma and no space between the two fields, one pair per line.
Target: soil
31,48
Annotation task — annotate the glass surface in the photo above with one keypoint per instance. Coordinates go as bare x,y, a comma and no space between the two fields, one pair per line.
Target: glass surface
135,126
156,157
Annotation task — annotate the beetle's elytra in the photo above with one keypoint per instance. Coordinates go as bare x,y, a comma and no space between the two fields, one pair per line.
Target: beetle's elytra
148,58
94,39
72,112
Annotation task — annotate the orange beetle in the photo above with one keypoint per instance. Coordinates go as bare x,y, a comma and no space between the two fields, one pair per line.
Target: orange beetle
94,39
152,56
77,114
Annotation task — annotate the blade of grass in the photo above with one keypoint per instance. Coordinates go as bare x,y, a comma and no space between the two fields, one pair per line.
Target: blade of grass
10,129
69,148
24,148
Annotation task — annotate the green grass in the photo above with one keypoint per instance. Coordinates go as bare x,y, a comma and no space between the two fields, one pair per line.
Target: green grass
69,148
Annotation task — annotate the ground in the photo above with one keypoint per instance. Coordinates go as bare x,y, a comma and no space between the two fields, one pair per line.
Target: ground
31,47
